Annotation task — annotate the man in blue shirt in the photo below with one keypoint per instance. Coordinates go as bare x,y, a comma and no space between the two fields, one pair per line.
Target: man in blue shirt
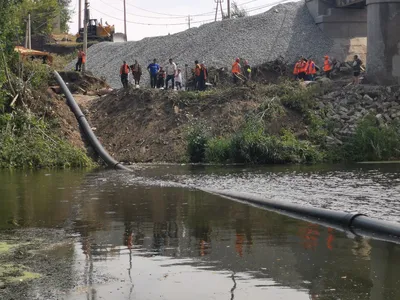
153,69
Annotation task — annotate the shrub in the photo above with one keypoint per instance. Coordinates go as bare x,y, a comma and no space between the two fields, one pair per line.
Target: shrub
374,142
197,137
217,150
26,142
252,145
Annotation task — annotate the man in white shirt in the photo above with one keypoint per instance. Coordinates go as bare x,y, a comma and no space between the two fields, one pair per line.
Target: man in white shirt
171,73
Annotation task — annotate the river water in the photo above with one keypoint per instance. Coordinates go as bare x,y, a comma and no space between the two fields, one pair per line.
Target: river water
153,235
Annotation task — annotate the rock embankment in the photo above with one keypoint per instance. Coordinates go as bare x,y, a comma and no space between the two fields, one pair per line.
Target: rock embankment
286,30
347,106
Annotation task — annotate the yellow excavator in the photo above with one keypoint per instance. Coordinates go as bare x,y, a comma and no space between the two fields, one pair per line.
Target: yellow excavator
99,32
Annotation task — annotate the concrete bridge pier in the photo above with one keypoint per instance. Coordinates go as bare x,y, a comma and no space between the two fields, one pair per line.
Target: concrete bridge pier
383,55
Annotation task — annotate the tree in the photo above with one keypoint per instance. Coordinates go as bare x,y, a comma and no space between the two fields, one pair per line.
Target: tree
65,14
236,12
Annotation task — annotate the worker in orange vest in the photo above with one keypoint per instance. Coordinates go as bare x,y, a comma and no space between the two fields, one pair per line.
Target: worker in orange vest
203,76
311,69
124,72
197,73
300,68
236,70
296,69
81,60
327,66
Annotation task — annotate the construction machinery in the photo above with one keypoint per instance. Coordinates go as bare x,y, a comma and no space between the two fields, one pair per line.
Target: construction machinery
29,54
99,32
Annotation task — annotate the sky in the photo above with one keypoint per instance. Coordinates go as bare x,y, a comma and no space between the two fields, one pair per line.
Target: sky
146,18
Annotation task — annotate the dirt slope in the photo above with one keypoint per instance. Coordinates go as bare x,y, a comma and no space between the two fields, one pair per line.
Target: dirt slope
149,125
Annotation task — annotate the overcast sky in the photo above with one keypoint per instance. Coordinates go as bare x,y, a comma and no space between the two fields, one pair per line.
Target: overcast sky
163,12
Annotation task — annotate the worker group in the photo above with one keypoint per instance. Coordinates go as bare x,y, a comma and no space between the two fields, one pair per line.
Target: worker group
170,76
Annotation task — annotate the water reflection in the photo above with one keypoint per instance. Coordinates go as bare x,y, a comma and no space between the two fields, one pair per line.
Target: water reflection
255,249
137,242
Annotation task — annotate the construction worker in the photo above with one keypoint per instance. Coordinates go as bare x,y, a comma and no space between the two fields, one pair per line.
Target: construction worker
327,66
196,72
236,70
303,69
153,69
160,78
136,69
171,71
357,63
203,77
123,72
81,60
247,70
296,69
300,68
311,69
178,80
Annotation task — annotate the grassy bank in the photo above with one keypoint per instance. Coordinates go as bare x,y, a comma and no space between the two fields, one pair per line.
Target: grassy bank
33,126
29,142
267,136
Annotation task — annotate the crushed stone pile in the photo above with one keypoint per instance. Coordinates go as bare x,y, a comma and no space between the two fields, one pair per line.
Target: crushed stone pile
286,30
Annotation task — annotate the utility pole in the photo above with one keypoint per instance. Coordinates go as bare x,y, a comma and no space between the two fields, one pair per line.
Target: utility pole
26,33
219,3
189,19
216,9
229,8
79,15
85,31
29,32
126,37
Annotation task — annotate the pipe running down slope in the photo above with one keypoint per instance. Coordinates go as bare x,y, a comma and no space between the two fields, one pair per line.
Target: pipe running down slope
87,130
356,223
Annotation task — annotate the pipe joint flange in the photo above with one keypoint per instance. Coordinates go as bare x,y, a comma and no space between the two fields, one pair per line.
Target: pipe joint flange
348,219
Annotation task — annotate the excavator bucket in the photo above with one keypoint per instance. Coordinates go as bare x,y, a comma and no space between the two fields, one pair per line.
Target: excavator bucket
119,37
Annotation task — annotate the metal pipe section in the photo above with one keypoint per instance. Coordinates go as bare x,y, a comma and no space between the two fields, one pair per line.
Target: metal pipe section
83,123
357,224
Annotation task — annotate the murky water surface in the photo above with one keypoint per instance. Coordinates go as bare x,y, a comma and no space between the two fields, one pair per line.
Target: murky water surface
144,236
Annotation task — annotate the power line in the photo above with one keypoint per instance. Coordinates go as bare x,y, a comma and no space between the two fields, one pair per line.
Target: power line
150,24
185,23
141,16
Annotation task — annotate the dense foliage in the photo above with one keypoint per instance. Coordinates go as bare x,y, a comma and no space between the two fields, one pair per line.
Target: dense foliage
250,145
28,142
26,139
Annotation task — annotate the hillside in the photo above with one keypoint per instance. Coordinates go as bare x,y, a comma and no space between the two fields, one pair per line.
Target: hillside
286,30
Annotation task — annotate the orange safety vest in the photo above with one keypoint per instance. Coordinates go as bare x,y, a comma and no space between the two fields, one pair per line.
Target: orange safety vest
302,66
197,70
236,68
296,69
203,67
327,65
124,69
83,55
310,68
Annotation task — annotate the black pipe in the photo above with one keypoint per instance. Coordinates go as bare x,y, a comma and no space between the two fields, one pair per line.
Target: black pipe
357,224
83,123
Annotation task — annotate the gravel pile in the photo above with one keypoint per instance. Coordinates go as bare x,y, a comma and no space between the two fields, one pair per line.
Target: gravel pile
287,29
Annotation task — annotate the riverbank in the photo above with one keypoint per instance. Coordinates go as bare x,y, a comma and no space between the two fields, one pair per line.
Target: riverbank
37,128
286,122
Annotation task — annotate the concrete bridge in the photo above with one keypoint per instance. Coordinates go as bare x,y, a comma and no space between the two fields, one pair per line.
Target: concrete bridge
369,28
